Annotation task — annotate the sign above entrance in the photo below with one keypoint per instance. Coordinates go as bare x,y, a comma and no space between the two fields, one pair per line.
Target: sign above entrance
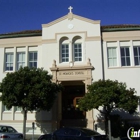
64,73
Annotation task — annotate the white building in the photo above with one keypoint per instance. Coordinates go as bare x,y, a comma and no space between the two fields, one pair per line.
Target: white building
76,51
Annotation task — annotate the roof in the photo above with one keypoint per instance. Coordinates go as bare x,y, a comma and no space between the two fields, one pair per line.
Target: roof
25,33
104,28
120,27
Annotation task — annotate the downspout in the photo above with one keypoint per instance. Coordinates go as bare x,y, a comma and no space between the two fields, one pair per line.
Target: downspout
102,58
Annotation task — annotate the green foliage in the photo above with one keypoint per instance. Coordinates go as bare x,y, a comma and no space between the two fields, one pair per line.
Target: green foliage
110,95
30,89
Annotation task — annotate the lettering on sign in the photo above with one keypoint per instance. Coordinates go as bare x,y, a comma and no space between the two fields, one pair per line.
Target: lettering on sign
71,73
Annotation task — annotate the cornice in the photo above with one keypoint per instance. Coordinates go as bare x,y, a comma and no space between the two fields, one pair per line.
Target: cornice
87,38
71,17
14,42
125,35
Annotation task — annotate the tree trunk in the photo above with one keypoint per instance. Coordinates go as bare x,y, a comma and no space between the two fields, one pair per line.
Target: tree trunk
24,123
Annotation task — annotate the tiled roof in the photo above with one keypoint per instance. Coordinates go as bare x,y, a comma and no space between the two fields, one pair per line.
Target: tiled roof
120,27
104,28
24,33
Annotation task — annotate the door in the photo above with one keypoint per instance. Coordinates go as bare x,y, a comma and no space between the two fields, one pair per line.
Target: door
70,97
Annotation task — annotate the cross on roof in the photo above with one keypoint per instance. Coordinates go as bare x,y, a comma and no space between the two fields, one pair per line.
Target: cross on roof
70,8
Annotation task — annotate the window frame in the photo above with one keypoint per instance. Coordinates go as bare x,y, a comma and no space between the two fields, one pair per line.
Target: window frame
34,60
22,62
78,57
125,56
138,55
9,62
65,48
113,58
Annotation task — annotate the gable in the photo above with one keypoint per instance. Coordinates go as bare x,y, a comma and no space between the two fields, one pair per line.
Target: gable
71,23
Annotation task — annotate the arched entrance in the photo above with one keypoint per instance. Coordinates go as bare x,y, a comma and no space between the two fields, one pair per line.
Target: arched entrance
74,80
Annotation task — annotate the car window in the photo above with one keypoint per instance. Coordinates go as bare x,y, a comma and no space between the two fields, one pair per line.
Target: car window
7,129
11,130
3,129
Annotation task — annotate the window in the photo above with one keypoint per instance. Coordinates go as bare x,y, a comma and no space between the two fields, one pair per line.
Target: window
137,55
65,53
18,108
125,56
20,59
6,109
33,59
9,61
112,56
77,52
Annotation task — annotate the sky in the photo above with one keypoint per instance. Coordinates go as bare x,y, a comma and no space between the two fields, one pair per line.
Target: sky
20,15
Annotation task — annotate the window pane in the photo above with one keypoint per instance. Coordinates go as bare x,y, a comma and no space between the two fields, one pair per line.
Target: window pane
127,51
139,50
9,62
135,52
122,52
136,61
114,52
112,56
20,59
33,59
123,61
125,56
35,56
128,61
77,52
109,50
137,55
65,53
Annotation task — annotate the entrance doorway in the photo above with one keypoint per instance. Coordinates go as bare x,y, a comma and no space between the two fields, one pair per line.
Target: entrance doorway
71,114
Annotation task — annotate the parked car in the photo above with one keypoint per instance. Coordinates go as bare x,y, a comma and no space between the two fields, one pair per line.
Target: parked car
69,133
9,133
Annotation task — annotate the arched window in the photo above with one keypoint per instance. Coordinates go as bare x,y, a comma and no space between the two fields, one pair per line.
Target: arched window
64,49
77,49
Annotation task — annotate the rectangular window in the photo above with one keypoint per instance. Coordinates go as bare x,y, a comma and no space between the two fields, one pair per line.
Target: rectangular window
18,108
77,52
20,59
137,55
125,56
112,56
9,61
6,109
65,53
33,59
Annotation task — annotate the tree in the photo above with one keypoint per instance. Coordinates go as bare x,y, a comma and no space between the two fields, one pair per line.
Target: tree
29,89
109,95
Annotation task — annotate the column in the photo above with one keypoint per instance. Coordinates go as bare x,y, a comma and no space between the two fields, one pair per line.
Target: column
89,114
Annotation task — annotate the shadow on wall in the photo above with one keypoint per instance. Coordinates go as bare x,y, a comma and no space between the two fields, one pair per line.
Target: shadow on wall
43,121
121,121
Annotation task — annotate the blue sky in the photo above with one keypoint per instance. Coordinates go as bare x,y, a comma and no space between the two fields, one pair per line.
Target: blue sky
19,15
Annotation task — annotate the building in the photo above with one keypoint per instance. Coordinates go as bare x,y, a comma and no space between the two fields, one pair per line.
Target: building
76,51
